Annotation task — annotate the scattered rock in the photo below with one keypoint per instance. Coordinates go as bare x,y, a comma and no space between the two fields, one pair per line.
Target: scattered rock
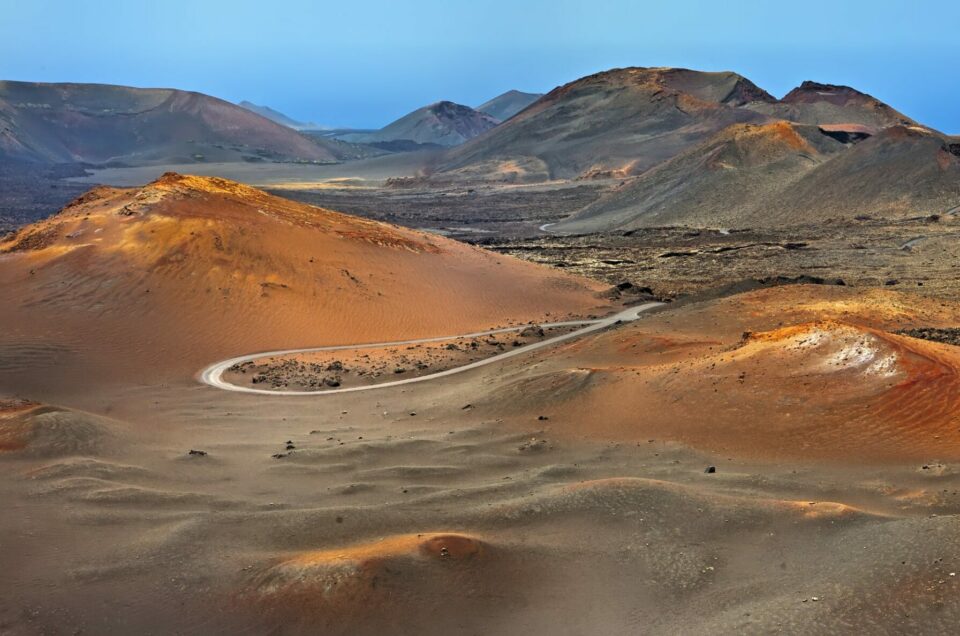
534,331
533,445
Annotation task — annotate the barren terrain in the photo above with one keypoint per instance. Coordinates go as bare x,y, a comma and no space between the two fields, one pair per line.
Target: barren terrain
709,380
671,475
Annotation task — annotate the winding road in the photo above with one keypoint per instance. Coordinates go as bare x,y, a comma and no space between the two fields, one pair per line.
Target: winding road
213,375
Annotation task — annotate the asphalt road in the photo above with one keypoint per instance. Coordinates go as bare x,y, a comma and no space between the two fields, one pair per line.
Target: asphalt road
213,375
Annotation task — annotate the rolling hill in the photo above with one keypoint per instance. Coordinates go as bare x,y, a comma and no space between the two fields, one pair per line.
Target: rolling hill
98,123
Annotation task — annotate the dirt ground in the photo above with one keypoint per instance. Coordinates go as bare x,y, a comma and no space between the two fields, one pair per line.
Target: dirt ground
368,366
569,492
780,460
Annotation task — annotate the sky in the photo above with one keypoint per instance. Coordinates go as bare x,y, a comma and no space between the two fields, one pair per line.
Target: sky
363,63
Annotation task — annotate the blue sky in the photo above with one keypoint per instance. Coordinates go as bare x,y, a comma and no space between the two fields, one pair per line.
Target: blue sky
365,62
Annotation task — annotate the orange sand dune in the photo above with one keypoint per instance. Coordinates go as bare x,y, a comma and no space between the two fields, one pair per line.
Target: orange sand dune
30,429
370,580
816,375
190,269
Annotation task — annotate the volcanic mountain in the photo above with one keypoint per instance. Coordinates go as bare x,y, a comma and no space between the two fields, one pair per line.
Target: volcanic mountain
278,117
781,174
442,124
187,269
816,103
505,106
623,122
98,123
618,122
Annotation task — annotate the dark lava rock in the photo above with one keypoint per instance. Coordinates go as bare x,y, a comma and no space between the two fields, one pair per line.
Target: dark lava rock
710,469
946,335
533,331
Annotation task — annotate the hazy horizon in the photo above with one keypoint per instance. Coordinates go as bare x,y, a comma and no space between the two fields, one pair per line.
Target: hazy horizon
366,64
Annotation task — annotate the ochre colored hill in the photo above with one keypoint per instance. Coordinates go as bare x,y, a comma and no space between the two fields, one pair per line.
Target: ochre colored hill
797,372
187,270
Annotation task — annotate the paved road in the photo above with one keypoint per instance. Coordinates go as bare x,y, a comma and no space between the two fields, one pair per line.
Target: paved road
213,375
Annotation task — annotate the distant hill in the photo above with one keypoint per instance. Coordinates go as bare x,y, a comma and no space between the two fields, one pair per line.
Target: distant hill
278,117
443,124
505,106
99,123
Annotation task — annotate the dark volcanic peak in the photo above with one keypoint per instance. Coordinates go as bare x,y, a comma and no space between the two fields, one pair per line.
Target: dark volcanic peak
464,120
442,123
99,123
723,87
810,91
817,103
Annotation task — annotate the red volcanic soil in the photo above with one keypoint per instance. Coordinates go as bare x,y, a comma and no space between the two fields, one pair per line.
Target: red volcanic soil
809,373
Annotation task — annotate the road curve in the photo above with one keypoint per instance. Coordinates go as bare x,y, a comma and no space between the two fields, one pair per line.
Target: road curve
213,375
